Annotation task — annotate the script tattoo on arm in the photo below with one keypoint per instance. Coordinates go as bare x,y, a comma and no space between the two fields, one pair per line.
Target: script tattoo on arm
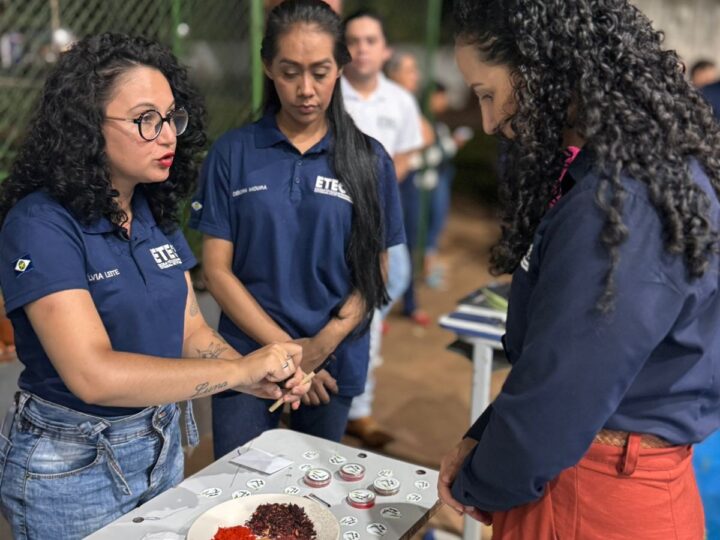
203,389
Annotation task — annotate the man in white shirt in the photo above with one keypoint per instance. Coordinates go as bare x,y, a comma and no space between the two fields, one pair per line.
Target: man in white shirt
390,114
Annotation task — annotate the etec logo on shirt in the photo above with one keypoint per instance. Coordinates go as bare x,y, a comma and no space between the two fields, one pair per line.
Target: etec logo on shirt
166,256
23,264
332,187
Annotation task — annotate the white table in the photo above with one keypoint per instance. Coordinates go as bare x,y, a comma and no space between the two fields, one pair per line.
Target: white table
473,331
170,515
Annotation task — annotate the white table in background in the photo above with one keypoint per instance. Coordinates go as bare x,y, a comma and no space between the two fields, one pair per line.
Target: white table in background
170,515
483,346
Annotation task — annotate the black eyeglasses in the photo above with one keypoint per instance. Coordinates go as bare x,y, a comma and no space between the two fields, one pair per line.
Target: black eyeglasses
150,123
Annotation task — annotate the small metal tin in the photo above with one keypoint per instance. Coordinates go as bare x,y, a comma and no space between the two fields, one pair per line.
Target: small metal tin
386,486
352,472
318,478
361,498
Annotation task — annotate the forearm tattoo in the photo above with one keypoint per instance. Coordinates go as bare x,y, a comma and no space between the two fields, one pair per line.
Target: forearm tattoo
203,389
194,308
214,350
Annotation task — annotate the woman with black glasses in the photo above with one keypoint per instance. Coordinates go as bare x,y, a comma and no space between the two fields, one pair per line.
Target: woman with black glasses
94,273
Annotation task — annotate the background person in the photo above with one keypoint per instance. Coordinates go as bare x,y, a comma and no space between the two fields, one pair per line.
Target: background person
402,68
388,113
704,72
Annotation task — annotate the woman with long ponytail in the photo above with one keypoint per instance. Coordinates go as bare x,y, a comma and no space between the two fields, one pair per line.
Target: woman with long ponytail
298,209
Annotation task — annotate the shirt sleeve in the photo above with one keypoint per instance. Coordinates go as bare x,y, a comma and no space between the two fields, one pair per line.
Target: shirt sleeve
210,207
575,364
410,134
40,256
389,199
182,248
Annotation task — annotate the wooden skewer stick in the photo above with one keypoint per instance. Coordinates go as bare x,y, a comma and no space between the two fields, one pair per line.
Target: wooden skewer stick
275,406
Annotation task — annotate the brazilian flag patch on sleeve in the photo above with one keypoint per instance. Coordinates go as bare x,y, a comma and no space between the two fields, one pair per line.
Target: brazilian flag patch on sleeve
22,265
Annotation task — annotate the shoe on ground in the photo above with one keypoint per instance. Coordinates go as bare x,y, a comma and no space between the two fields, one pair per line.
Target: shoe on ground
369,432
420,318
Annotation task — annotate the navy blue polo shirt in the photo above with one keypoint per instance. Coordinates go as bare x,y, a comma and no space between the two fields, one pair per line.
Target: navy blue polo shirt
289,219
651,366
138,285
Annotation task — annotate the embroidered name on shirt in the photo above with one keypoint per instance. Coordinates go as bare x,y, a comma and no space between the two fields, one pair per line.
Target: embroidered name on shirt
97,276
251,189
332,187
525,263
166,256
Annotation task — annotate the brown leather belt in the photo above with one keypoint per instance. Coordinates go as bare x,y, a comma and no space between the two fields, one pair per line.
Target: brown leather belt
620,438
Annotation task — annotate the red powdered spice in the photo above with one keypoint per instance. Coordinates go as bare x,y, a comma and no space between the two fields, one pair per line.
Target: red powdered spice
234,533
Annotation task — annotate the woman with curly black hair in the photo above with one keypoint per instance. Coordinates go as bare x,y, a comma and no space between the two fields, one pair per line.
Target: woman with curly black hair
611,231
94,272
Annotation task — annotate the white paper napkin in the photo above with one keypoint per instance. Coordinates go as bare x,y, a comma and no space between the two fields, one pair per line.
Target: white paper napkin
259,460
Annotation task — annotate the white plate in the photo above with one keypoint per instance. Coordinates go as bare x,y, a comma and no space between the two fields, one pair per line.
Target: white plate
237,511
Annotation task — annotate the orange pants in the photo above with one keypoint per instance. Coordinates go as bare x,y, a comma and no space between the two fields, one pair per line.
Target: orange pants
614,493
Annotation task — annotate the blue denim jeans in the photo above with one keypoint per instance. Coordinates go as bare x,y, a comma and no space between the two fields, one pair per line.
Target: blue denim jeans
65,474
239,418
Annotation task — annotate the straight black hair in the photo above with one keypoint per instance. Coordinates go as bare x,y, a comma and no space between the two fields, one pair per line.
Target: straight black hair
351,154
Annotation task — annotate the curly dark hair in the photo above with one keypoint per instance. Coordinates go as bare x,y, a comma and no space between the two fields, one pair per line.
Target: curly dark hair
64,151
599,67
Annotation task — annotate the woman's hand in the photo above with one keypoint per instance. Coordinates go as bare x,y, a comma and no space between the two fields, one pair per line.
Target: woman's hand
314,352
318,393
449,468
273,364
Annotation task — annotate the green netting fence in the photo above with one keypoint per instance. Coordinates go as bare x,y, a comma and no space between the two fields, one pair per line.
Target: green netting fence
212,37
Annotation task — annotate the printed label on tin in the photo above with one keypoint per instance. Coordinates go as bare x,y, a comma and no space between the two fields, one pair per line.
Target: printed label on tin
292,490
414,497
337,460
348,521
361,496
311,454
385,473
240,494
211,493
351,535
305,467
352,469
387,484
422,484
318,475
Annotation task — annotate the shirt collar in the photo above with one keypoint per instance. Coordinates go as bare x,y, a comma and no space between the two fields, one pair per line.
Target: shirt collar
582,164
268,134
378,94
